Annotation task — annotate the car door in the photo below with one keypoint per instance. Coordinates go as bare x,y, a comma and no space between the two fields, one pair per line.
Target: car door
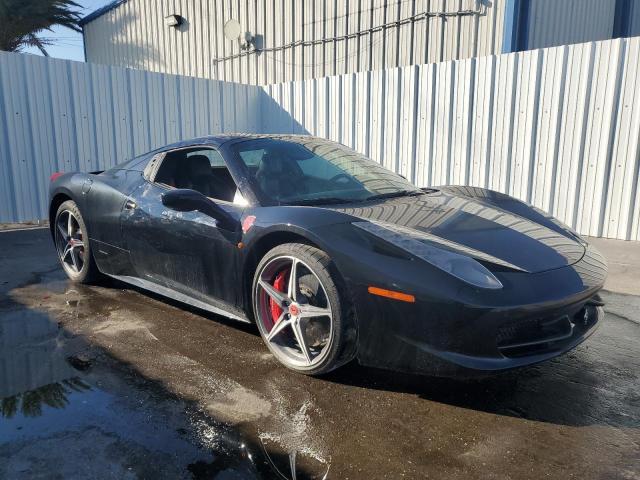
104,196
187,252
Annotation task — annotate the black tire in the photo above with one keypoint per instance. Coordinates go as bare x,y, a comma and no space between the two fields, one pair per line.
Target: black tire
341,341
88,273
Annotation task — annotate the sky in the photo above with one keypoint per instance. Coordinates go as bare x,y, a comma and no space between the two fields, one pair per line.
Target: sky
67,43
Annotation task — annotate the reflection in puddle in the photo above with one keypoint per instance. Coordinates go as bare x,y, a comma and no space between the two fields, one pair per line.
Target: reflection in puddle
71,407
293,465
31,352
54,395
267,458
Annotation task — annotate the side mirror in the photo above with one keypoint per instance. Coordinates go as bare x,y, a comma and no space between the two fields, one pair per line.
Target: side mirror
187,200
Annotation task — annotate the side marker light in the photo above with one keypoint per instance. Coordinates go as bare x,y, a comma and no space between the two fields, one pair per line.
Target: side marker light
381,292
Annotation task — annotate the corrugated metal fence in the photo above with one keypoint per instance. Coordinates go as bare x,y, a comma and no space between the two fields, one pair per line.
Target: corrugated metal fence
58,115
558,127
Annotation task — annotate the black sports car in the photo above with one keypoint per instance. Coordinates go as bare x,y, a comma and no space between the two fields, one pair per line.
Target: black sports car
333,256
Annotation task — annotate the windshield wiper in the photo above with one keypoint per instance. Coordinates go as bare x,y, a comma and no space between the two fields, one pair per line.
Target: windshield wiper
401,193
319,201
336,200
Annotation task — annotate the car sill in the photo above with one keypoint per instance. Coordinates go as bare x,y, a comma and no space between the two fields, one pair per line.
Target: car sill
180,297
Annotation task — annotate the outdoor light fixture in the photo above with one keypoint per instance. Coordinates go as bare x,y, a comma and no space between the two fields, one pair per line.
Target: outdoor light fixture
173,20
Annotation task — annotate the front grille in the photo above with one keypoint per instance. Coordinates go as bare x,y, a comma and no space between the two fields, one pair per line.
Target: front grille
540,335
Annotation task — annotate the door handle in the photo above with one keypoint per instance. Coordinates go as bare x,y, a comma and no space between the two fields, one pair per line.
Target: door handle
129,204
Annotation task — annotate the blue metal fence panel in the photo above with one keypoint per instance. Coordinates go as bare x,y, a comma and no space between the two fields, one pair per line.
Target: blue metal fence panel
58,115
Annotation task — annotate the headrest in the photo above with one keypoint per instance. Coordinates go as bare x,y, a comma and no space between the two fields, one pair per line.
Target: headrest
272,164
198,165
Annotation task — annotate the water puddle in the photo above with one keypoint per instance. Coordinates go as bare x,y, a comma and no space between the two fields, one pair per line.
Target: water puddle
54,417
61,416
266,458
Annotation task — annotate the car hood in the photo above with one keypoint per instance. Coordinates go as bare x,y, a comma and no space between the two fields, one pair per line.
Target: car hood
489,223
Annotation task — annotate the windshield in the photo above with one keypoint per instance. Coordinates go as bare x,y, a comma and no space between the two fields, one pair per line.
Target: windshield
306,171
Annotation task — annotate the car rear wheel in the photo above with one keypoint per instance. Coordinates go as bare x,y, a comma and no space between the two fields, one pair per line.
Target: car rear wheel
302,316
72,244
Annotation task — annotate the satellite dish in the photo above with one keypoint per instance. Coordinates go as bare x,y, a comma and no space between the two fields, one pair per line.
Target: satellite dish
232,29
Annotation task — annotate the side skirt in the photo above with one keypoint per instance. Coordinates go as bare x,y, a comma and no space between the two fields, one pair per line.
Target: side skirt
180,297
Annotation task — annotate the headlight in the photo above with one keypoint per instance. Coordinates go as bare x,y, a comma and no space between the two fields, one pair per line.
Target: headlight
460,266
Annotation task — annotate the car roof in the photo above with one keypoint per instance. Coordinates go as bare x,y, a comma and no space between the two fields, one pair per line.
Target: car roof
218,139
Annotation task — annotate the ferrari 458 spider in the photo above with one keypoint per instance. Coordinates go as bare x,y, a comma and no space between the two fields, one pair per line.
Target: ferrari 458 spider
333,256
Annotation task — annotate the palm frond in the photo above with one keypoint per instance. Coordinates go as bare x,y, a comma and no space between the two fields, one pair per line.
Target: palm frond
39,43
24,20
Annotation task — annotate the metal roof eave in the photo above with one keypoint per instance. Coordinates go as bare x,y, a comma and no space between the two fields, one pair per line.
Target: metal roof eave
101,11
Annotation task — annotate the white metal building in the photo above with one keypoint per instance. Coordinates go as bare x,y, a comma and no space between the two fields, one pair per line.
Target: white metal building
300,39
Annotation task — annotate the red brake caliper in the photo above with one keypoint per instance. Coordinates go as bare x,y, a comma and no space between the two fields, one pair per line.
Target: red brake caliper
280,285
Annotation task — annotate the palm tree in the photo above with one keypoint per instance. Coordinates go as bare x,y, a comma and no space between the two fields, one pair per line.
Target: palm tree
22,21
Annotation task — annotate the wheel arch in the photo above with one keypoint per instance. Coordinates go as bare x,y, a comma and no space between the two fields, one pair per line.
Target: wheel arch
268,240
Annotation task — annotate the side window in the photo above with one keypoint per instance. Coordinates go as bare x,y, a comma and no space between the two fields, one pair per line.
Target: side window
200,169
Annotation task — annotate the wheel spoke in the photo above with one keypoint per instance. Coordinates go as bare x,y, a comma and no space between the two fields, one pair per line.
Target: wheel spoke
292,291
309,311
278,296
74,259
63,232
280,325
66,251
297,331
69,225
78,244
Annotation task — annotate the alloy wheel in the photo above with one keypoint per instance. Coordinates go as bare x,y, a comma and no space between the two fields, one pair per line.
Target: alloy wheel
294,313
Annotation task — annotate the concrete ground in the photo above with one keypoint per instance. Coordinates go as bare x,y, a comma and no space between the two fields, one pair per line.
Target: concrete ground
624,264
109,382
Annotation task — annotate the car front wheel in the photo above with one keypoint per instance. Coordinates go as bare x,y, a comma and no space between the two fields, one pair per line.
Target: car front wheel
302,316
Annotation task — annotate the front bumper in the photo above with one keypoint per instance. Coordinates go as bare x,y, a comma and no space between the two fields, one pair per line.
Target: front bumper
407,354
454,330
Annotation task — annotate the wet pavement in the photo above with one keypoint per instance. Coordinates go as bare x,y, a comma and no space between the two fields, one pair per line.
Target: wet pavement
110,382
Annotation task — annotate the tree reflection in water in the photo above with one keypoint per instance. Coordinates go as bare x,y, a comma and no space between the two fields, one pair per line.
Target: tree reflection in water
53,395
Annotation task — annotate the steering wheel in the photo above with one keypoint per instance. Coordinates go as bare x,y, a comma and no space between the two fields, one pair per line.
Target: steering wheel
338,178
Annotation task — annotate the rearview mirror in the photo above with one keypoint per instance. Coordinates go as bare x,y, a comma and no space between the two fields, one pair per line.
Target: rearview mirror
187,200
